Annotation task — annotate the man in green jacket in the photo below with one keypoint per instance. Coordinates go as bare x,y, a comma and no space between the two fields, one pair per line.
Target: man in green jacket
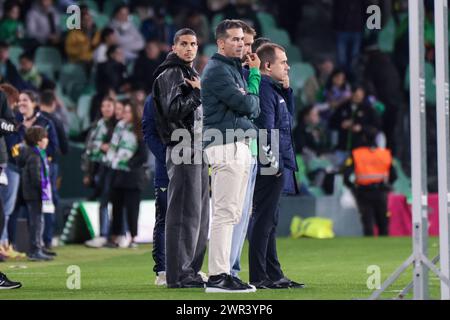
228,109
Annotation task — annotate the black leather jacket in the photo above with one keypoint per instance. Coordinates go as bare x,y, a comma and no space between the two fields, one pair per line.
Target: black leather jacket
175,100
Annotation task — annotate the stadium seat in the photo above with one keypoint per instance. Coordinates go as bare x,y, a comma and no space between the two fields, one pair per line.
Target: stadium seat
101,20
136,20
386,37
91,4
278,36
48,60
299,73
83,107
110,5
293,54
267,21
14,54
209,50
73,80
215,21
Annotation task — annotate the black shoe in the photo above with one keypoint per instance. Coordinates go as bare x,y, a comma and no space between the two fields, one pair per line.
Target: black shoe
251,287
289,284
266,284
225,283
188,284
5,283
49,252
39,256
110,244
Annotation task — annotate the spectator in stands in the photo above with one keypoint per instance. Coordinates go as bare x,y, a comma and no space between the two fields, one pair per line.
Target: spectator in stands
8,71
80,44
42,23
47,107
146,65
337,93
96,173
196,21
352,120
30,74
36,188
373,175
348,22
108,38
113,73
157,28
128,37
314,87
161,183
127,155
12,30
243,10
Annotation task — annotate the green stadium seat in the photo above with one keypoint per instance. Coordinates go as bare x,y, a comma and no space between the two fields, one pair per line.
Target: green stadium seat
299,73
101,20
278,36
215,21
293,54
136,20
209,50
386,37
91,4
110,5
14,54
267,21
73,80
48,60
83,108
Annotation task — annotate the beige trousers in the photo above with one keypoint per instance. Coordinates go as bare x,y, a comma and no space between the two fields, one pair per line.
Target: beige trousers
230,164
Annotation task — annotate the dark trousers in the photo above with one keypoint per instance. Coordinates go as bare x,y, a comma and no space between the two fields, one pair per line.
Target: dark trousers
104,178
35,225
159,231
372,205
263,258
2,217
187,220
128,200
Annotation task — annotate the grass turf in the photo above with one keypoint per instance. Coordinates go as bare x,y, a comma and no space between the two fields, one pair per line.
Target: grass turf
331,269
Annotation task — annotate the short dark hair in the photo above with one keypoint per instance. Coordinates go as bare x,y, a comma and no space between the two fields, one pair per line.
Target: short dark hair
221,29
247,29
32,95
27,56
266,53
9,5
259,42
111,50
106,32
47,97
35,134
118,8
183,32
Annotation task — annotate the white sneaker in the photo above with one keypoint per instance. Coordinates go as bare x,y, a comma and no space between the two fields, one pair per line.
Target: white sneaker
161,279
123,242
203,275
97,242
3,178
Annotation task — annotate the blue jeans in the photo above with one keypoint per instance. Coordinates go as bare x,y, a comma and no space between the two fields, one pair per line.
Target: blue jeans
49,218
104,177
159,231
348,48
240,229
9,197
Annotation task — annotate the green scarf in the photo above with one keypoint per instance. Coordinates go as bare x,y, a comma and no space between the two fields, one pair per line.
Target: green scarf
97,137
123,146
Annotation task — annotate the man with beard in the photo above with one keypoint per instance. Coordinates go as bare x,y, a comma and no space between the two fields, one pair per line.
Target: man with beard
176,93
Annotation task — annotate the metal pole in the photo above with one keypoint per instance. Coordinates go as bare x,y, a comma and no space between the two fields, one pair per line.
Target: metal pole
418,147
442,116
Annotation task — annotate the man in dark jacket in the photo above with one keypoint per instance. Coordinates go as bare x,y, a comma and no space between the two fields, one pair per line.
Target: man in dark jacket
161,184
228,110
113,73
276,114
176,93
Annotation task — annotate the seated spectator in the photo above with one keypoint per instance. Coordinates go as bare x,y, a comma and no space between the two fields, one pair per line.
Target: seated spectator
42,23
129,38
146,64
113,73
29,73
352,120
8,71
337,93
80,44
314,87
108,38
157,28
11,28
244,11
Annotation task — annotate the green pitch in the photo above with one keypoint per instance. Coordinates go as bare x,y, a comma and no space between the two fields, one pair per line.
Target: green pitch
331,269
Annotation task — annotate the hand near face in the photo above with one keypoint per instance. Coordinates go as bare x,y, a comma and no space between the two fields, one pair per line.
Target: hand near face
253,60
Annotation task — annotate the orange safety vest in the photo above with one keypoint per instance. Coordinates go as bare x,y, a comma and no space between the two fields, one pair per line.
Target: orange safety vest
371,165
